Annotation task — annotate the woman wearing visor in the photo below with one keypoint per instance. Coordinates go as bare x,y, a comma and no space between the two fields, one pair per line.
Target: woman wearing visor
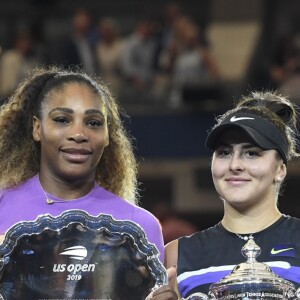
252,145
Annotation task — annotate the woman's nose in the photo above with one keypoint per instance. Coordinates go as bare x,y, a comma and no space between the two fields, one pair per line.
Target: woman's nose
77,133
236,163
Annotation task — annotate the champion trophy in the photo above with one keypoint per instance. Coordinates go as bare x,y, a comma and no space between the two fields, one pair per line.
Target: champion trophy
250,280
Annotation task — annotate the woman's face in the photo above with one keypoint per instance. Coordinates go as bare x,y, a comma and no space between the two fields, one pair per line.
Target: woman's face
243,173
72,132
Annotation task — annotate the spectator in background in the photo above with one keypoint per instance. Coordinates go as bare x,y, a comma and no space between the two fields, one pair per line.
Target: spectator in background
137,62
16,62
108,53
176,43
188,60
285,71
194,65
285,59
172,13
165,31
79,48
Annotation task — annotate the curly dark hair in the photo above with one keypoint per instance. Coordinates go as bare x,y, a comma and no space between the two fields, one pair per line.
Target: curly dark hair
20,154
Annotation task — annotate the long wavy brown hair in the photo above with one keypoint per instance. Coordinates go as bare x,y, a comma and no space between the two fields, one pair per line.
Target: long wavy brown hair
20,154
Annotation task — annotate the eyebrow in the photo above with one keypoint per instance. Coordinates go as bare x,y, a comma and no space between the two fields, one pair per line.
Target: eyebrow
71,111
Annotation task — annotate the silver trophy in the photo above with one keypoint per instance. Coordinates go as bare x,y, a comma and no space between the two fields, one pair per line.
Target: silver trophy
250,280
78,256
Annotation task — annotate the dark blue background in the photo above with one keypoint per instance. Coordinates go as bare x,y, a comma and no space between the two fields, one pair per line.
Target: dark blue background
171,136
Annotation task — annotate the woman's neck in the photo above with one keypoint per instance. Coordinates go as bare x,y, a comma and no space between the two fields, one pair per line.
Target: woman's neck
245,223
64,189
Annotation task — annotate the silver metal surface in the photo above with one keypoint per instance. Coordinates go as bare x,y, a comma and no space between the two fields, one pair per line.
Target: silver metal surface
78,256
250,280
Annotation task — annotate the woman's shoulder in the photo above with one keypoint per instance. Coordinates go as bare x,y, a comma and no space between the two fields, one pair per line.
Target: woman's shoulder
23,189
135,211
145,216
209,233
290,222
125,209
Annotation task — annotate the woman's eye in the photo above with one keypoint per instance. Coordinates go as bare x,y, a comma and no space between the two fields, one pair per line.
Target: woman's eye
251,153
61,120
226,152
223,152
95,123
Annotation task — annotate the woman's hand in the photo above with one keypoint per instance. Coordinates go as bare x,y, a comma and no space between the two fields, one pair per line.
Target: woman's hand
2,236
165,292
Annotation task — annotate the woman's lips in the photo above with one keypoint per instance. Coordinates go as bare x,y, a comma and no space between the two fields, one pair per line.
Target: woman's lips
237,180
77,155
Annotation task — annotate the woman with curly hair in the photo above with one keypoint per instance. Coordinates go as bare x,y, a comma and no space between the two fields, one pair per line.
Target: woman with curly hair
63,147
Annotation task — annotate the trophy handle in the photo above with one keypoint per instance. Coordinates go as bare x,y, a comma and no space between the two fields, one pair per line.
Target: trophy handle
197,296
297,294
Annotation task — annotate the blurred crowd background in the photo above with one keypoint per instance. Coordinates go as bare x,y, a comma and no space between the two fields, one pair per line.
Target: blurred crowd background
173,66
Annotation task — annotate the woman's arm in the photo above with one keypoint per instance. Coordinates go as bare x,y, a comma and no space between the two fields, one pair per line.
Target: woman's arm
170,291
171,257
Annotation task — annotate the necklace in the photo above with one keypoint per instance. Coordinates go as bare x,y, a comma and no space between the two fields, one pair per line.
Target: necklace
52,201
48,200
247,237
